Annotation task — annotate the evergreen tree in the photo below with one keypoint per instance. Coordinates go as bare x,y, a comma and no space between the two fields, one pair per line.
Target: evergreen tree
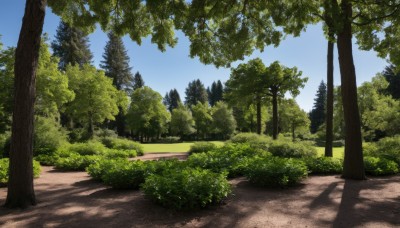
317,114
215,93
71,46
137,81
116,63
172,99
394,82
195,92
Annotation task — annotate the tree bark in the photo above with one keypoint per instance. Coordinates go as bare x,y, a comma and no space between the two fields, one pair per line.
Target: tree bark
275,115
21,192
329,100
258,115
353,167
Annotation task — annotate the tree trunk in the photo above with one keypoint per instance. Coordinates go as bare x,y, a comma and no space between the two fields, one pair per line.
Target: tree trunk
21,193
258,115
275,115
353,167
329,100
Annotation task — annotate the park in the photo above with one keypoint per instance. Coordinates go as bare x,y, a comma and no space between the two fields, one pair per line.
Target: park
255,140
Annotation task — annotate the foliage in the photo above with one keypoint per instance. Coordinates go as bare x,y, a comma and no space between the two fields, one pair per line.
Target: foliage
100,167
125,175
138,81
181,121
89,148
4,170
223,122
48,135
293,119
187,188
287,149
393,78
317,114
122,144
199,147
324,165
202,118
388,148
7,59
195,92
169,139
120,153
275,172
380,166
147,116
76,162
215,94
172,100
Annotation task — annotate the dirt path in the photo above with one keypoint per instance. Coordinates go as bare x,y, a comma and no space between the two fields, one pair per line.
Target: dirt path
72,199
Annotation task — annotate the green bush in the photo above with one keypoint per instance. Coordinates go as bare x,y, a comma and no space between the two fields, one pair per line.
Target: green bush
187,188
47,160
255,140
169,139
199,147
100,167
127,175
114,153
388,148
76,162
288,149
275,172
48,136
380,166
88,148
122,144
324,165
4,169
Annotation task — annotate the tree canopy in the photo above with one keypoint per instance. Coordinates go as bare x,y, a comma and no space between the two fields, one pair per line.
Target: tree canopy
195,92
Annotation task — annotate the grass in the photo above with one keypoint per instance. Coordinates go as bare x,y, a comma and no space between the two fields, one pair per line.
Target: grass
171,147
337,151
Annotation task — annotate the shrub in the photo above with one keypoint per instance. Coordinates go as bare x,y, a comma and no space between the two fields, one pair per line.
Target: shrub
275,172
48,136
4,169
87,148
169,139
187,188
380,166
113,153
287,149
199,147
45,159
122,144
76,162
127,175
324,165
100,167
253,139
388,148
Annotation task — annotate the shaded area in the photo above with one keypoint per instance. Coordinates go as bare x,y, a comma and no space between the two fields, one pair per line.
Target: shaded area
74,200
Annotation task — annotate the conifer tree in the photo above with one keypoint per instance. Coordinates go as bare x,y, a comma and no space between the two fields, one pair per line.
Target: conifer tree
215,93
394,82
317,114
71,46
195,92
137,81
172,99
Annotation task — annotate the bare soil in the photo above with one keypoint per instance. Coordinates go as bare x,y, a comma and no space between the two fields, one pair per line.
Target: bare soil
72,199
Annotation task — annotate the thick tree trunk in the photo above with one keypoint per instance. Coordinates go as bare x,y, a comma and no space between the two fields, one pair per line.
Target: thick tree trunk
329,100
353,167
258,115
275,115
21,193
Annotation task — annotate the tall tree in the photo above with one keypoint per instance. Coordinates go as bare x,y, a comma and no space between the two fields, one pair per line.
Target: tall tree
195,92
393,77
71,46
215,93
202,118
223,122
182,121
317,114
292,117
116,66
137,81
172,100
7,61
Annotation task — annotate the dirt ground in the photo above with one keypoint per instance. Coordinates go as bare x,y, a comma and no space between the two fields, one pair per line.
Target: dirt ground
72,199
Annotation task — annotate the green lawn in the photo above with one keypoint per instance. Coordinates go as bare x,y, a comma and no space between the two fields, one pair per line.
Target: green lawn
337,151
171,147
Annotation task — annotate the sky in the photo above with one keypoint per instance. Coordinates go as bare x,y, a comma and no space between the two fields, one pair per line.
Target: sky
163,71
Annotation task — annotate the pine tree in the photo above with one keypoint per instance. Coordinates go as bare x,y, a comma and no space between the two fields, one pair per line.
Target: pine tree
317,114
116,63
137,81
195,92
215,93
71,46
172,99
394,82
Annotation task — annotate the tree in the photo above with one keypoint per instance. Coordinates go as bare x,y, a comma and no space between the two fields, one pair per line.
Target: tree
172,100
202,118
280,80
317,114
215,94
182,121
147,116
71,46
224,123
292,117
7,58
393,78
116,66
195,92
96,99
137,81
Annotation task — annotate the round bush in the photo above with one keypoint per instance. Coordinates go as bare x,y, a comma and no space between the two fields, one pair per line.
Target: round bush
275,172
253,139
324,165
100,167
380,166
127,175
388,148
287,149
87,148
199,147
76,162
187,188
122,144
48,136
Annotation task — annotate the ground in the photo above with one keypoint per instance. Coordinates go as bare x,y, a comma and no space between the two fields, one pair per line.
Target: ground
72,199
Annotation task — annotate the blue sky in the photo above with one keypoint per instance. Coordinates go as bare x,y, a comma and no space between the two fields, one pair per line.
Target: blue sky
175,69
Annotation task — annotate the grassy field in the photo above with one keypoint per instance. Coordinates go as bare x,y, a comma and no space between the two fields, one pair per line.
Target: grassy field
337,151
171,147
